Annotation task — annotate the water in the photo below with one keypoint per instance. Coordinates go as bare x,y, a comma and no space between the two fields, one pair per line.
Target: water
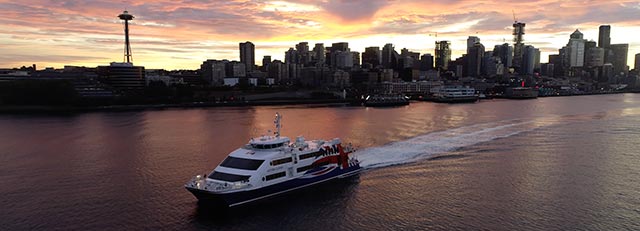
545,164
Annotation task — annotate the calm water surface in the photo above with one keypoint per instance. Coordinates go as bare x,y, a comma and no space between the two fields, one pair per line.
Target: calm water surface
545,164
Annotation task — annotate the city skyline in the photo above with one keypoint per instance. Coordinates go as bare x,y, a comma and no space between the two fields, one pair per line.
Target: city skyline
180,34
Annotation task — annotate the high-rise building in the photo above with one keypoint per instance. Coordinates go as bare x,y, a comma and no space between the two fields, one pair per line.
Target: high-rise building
604,36
356,58
319,54
588,45
530,59
333,50
342,59
408,59
426,62
266,60
637,63
619,61
492,65
247,55
122,76
278,71
471,41
608,74
505,53
371,55
443,55
303,57
518,45
214,71
547,69
475,56
406,53
556,60
342,46
236,69
389,56
291,56
594,57
576,49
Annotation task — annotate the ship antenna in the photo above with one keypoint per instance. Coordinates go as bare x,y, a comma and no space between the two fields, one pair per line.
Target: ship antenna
278,125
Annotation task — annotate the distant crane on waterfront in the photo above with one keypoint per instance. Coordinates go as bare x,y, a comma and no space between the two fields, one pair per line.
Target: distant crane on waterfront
127,47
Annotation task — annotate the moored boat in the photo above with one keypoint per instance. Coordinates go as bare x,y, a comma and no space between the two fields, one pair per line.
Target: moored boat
386,100
521,93
454,94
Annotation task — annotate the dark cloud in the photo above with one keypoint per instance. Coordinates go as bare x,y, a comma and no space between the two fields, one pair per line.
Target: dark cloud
353,10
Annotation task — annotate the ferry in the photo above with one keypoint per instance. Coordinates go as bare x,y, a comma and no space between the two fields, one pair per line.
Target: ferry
521,93
271,165
386,100
455,94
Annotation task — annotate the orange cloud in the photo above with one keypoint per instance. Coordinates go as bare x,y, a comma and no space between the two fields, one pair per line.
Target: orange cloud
177,34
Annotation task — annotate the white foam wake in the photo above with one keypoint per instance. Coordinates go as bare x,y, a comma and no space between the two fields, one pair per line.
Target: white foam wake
427,145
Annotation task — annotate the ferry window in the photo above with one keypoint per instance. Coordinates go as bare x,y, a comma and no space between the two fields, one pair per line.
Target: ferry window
281,161
275,176
309,155
241,163
227,177
266,146
305,168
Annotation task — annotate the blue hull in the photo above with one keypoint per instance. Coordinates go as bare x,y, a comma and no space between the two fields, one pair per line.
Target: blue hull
243,197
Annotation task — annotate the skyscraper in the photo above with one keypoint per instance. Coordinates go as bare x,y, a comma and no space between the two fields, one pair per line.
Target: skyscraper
475,56
214,71
505,53
637,63
426,62
318,54
333,51
303,53
291,56
356,58
556,60
518,45
389,56
604,36
619,61
443,55
594,57
266,60
471,41
371,56
576,49
530,59
342,46
247,55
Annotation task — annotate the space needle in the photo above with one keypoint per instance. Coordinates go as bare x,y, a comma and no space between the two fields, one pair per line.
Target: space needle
127,47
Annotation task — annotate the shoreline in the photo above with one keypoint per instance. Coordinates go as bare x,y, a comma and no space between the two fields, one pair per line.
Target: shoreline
70,109
36,109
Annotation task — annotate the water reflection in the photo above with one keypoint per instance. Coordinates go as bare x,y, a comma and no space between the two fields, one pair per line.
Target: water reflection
503,165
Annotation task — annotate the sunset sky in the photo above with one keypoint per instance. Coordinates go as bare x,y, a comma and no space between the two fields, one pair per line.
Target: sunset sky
181,34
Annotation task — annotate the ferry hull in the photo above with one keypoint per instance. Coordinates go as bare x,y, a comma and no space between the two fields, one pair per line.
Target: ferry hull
386,104
242,197
470,99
